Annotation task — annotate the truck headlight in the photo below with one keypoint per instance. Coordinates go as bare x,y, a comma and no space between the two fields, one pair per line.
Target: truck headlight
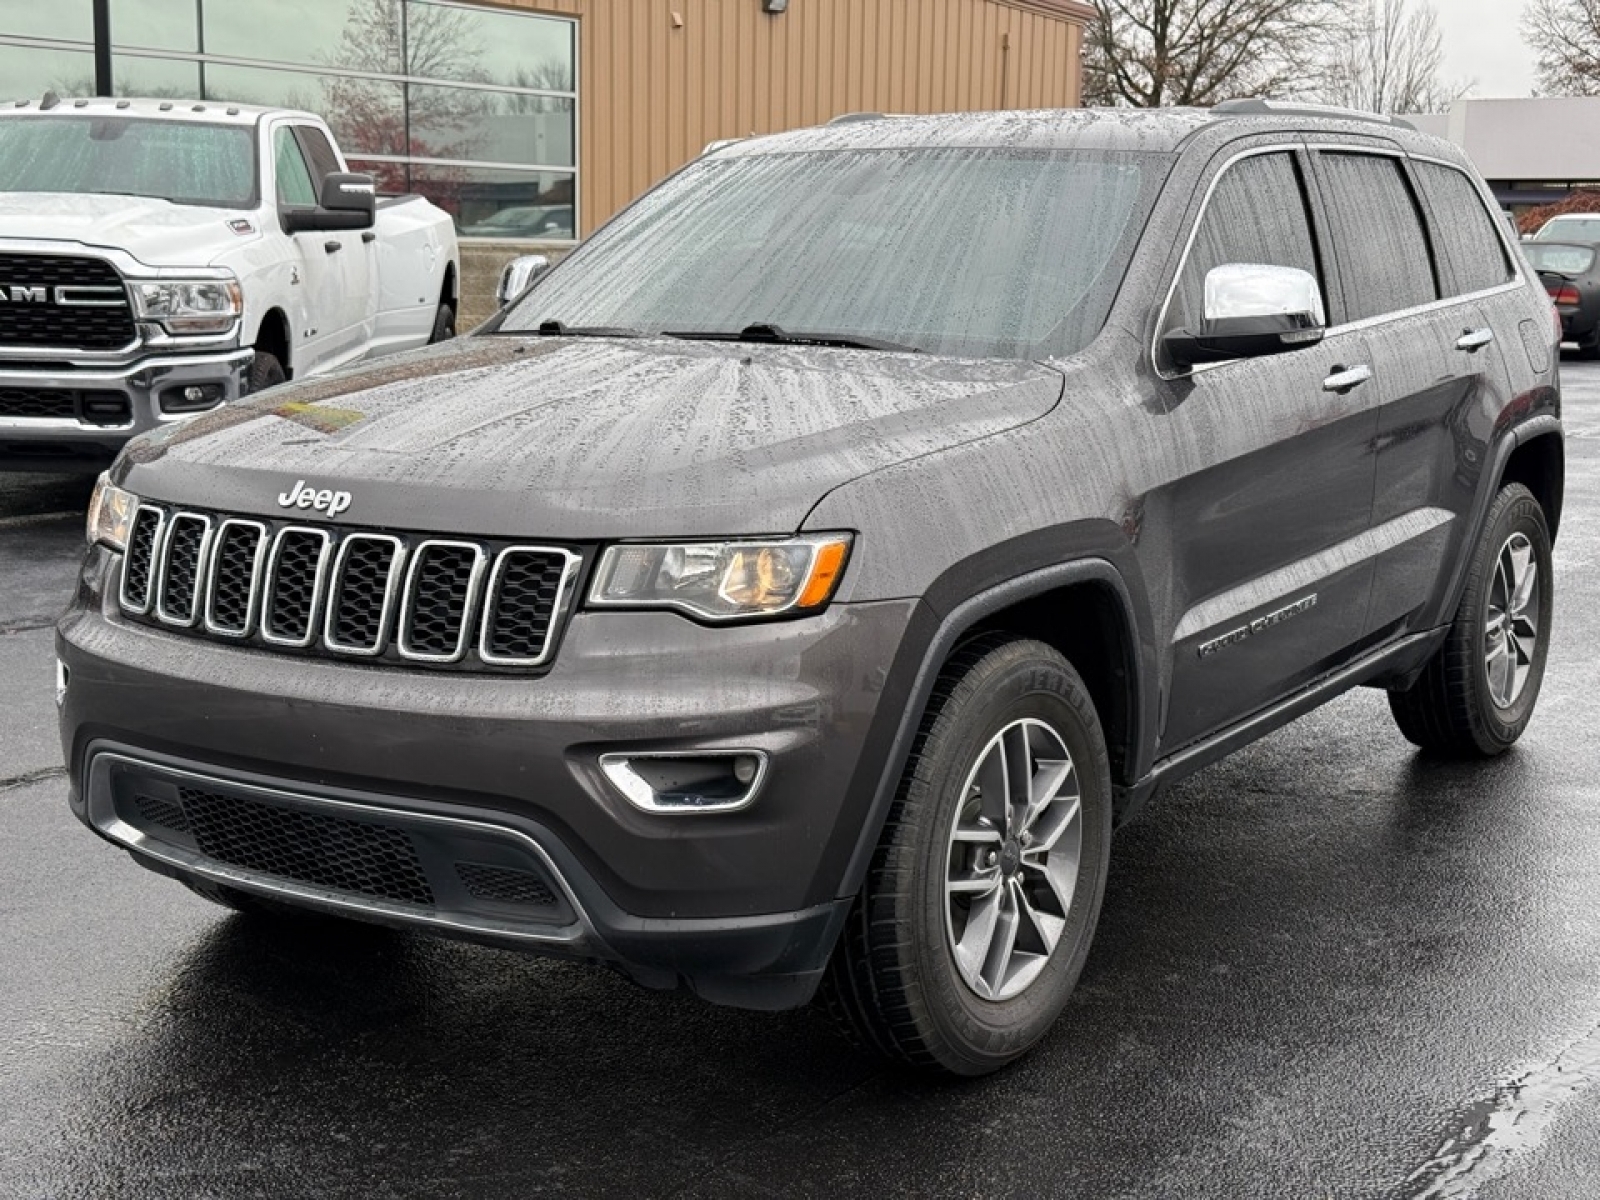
111,513
189,305
724,581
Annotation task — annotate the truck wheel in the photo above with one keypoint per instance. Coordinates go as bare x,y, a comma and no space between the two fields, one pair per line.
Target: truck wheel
444,324
1477,693
982,896
265,371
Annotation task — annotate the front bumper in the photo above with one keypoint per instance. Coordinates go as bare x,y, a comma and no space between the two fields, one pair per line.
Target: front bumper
742,907
84,443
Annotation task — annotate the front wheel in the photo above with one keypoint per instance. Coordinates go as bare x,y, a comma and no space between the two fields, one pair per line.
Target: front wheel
265,372
1477,693
444,324
981,900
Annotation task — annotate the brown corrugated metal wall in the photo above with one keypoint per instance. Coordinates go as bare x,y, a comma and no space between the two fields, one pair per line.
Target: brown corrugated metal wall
661,78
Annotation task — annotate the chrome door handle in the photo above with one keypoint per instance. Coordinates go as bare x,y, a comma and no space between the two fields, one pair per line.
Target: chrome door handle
1473,340
1345,379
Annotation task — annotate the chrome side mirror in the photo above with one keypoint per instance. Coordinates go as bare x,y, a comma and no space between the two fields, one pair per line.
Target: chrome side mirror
518,276
1251,309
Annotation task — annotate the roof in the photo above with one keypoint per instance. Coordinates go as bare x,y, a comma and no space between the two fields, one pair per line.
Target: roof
1162,130
218,111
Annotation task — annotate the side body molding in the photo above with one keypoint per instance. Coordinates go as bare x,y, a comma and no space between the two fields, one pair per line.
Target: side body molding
1141,715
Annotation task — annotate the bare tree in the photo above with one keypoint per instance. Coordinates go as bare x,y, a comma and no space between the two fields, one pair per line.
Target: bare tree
1565,38
1149,53
1388,56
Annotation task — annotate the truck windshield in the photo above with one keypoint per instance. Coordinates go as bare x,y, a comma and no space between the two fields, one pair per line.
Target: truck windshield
980,252
184,162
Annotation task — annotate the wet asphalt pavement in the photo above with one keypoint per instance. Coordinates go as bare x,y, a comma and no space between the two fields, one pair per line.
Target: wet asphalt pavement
1327,967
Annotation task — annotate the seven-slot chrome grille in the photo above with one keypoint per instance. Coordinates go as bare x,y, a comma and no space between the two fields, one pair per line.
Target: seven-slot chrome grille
347,592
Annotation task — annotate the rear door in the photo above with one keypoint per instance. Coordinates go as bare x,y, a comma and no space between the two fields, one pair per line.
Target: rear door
1268,583
1420,262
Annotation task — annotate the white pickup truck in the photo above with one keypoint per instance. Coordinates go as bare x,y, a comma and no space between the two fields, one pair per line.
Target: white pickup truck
161,258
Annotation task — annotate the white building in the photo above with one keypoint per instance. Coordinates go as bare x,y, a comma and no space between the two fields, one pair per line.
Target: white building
1531,151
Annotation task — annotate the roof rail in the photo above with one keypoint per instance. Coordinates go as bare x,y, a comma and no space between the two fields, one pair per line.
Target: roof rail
1260,106
852,118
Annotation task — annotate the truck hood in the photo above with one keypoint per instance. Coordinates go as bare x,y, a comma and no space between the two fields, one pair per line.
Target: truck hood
156,232
581,440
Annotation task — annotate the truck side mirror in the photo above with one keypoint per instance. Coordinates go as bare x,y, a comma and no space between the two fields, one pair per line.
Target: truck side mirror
519,275
348,192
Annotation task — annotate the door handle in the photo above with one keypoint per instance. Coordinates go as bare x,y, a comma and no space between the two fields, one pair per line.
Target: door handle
1473,340
333,245
1346,379
368,237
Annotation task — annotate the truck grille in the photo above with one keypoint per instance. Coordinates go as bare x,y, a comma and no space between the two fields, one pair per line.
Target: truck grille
356,593
94,316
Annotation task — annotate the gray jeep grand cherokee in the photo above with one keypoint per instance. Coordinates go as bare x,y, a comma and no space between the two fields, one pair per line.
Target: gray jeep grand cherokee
795,586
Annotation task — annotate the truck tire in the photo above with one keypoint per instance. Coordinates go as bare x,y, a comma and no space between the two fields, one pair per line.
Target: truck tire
444,323
1477,693
979,905
265,371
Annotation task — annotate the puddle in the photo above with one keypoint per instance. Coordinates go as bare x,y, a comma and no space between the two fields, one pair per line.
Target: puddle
1492,1133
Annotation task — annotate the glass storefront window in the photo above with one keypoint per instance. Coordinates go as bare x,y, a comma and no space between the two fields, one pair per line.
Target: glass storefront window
358,35
477,45
155,25
497,127
501,204
167,78
366,115
65,20
26,72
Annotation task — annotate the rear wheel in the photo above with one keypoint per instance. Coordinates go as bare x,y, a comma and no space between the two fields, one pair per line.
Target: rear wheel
981,900
1477,693
1589,347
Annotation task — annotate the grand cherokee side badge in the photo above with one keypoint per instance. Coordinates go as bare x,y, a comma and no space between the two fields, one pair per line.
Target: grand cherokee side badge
323,500
1245,632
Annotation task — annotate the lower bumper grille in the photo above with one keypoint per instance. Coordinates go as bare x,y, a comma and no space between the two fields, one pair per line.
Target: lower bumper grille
109,409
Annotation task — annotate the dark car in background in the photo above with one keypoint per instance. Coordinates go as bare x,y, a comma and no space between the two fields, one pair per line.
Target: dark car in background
525,221
1569,273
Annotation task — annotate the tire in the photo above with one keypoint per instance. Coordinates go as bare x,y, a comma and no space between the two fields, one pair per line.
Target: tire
1589,347
265,372
1460,706
444,323
898,982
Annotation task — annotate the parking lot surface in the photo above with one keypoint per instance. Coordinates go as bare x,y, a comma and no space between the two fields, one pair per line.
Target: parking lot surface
1327,966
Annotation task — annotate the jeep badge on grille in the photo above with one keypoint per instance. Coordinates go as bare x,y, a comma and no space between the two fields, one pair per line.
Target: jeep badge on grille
300,496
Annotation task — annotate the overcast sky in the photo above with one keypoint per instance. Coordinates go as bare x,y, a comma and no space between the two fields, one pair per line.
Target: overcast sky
1482,41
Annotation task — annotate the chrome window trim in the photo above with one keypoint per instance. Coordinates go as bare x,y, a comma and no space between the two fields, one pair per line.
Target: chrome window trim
391,584
201,569
319,585
1162,371
569,576
155,555
464,638
257,576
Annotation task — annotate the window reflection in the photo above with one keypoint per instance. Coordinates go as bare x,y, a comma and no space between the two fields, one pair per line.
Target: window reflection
26,73
168,78
366,115
502,204
155,25
67,20
482,46
499,127
361,35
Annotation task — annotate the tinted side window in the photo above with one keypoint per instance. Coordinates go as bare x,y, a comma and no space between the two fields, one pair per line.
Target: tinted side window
294,181
1383,252
318,151
1474,257
1257,214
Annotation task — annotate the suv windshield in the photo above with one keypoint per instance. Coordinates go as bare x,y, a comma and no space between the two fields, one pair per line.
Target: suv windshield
168,160
994,252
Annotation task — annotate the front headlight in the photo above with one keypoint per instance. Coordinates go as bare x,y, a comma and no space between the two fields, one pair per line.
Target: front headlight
111,512
189,305
724,581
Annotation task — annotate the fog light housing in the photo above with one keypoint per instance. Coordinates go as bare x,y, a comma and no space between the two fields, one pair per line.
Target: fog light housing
191,398
688,782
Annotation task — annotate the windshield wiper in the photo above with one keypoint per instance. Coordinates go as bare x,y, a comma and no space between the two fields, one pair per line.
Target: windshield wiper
766,332
558,329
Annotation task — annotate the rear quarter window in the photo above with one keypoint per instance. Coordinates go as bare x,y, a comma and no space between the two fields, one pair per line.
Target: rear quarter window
1473,258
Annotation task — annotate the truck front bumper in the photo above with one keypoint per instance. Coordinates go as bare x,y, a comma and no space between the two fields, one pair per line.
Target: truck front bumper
107,406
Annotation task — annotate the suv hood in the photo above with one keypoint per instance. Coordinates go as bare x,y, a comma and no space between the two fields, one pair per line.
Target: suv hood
582,440
156,232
